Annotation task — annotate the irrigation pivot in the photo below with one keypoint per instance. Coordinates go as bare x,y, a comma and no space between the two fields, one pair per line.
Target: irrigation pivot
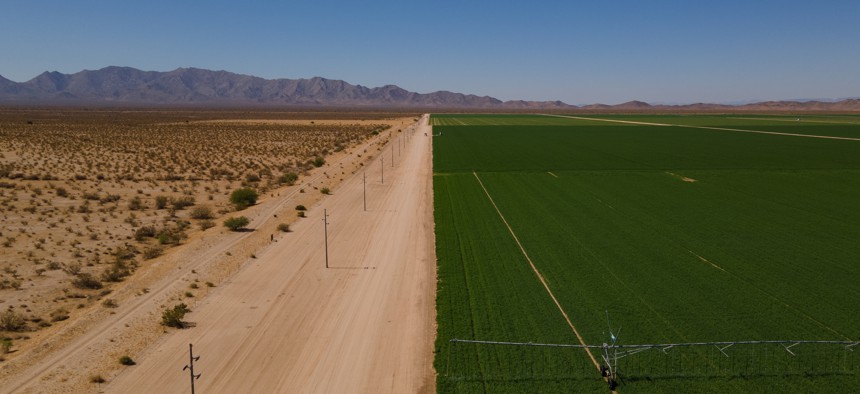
742,358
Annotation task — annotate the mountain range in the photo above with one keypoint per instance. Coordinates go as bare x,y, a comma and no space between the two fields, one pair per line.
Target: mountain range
198,87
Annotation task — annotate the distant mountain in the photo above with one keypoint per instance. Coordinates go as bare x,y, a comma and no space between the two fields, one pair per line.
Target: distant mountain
192,86
632,105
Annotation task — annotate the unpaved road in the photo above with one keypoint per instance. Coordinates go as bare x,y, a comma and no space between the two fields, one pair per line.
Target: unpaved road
285,323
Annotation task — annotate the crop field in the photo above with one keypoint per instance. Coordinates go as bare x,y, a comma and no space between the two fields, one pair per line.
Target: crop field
683,234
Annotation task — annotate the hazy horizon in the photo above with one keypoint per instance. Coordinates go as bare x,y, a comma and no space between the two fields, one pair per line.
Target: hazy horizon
671,52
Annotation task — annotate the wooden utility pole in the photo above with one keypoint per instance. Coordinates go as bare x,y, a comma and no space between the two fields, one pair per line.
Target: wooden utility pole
325,226
190,366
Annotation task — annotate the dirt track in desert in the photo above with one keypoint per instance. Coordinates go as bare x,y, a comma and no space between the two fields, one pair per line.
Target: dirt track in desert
315,313
285,323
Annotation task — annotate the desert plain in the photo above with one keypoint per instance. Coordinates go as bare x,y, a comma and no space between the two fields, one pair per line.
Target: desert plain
111,217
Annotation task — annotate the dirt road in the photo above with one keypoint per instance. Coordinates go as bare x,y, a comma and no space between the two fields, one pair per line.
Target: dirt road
285,323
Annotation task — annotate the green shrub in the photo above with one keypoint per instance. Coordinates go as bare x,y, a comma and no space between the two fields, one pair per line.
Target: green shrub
237,223
5,345
243,198
172,317
289,178
300,208
318,161
325,190
284,227
126,360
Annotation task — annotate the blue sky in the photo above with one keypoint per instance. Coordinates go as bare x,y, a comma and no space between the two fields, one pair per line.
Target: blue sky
579,52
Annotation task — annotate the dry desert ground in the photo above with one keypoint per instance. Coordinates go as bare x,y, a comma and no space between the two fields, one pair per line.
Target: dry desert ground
111,217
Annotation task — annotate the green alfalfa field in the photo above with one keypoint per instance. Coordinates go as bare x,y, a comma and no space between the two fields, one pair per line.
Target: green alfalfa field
729,229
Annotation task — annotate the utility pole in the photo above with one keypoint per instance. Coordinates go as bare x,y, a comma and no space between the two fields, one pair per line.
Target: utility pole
325,226
364,187
190,366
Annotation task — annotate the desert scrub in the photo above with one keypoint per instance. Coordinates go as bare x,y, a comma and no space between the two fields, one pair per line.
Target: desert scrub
206,224
172,317
201,212
84,280
284,227
12,321
152,252
236,223
289,178
243,198
126,360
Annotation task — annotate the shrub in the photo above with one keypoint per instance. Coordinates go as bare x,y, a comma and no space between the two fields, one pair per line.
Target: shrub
59,315
152,252
289,178
300,208
251,178
170,236
202,212
117,272
325,190
243,198
318,161
301,214
109,303
135,204
86,281
126,360
160,202
97,379
61,192
144,232
126,252
182,202
12,321
237,223
5,345
172,317
284,227
206,224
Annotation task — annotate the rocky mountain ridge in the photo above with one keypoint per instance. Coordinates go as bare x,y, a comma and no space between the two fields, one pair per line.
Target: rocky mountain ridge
198,87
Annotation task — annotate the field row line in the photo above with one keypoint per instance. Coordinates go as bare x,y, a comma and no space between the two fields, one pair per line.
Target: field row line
708,128
540,277
795,120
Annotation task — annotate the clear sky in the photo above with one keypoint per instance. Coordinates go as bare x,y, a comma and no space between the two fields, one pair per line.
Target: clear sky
580,52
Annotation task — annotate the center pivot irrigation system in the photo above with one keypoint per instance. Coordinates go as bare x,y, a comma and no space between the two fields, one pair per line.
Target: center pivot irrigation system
758,359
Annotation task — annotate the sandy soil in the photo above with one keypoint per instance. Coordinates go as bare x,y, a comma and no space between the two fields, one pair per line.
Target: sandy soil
283,322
